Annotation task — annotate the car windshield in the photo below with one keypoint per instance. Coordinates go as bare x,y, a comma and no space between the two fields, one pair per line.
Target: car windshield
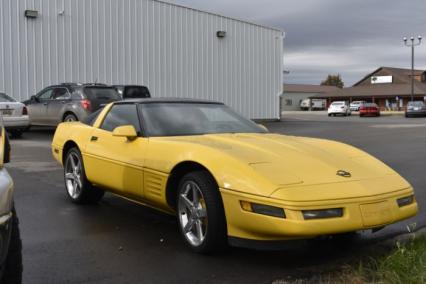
6,99
416,103
176,119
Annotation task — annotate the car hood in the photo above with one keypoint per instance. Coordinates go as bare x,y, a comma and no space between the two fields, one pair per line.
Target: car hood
288,161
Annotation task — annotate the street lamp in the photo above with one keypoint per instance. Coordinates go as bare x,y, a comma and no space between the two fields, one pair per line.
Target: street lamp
412,44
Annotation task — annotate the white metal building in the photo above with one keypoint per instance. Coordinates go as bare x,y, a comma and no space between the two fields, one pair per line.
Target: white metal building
174,50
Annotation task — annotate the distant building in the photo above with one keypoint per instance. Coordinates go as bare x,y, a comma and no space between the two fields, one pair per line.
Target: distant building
294,94
388,87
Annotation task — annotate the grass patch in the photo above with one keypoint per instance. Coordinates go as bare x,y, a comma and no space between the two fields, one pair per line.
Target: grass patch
406,263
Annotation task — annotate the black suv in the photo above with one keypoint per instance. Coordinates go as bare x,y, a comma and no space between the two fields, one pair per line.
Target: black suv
68,102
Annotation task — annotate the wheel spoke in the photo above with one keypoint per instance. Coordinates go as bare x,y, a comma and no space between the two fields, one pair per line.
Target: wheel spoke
77,167
69,176
72,162
186,201
202,213
78,180
188,226
199,229
195,197
74,188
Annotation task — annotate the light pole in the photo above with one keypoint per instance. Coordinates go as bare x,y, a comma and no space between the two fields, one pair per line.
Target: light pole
412,45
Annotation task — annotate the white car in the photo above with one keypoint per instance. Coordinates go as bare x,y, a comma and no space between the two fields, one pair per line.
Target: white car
339,107
355,105
15,115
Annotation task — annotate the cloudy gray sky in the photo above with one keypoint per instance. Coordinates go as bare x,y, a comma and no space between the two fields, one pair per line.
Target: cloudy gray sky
350,37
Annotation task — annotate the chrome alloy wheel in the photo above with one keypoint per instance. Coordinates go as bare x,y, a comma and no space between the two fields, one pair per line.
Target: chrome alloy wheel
73,171
192,213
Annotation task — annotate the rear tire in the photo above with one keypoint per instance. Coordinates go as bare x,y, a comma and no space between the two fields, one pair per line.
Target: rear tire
13,264
201,217
78,188
70,118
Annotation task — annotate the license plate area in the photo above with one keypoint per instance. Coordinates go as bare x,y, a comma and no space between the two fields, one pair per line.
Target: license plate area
374,214
6,111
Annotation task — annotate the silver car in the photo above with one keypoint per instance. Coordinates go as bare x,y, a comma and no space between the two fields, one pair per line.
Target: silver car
415,108
68,102
10,241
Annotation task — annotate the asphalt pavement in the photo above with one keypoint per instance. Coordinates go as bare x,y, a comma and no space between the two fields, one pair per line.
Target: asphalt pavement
121,242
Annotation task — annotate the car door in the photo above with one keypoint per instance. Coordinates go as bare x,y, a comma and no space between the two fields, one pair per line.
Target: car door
37,109
60,97
115,162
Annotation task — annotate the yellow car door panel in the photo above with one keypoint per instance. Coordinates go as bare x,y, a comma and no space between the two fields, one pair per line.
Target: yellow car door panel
116,163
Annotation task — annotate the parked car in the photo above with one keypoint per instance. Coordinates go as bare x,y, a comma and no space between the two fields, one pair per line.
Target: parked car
15,115
132,91
339,107
68,102
225,178
369,109
415,108
313,104
10,241
355,105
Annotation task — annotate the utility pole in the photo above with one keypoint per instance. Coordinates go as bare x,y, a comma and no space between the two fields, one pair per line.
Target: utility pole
412,45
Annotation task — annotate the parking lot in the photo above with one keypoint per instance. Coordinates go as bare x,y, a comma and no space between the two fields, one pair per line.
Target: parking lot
120,242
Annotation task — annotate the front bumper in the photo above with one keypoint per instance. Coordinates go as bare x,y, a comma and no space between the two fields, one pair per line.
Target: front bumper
16,122
358,214
415,113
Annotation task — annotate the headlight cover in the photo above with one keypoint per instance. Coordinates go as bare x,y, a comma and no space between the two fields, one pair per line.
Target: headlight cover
263,209
405,201
322,213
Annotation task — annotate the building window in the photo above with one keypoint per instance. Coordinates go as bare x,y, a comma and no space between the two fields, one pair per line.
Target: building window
288,102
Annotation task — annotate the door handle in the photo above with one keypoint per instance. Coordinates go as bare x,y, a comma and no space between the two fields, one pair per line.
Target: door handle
45,104
94,138
63,102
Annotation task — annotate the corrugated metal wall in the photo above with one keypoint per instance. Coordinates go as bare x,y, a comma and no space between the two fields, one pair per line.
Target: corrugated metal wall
171,49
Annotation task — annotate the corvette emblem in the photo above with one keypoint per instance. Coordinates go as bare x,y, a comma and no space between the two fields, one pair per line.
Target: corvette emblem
343,173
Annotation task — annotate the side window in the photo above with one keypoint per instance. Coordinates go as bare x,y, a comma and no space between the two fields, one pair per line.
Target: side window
119,115
60,94
45,95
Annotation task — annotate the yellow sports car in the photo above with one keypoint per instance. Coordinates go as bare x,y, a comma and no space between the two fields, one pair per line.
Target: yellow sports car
225,178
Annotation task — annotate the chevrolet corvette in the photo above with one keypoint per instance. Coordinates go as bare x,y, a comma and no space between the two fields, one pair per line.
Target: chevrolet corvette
227,180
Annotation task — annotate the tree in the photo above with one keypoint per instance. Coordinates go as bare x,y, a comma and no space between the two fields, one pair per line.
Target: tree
333,80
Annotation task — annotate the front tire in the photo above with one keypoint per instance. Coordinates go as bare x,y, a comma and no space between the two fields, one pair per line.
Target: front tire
78,188
201,216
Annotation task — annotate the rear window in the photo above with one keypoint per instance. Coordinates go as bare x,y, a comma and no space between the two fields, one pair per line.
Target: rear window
338,103
101,94
136,92
6,99
370,105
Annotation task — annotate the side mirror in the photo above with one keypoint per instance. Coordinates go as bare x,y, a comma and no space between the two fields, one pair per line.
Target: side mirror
34,99
127,131
263,127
